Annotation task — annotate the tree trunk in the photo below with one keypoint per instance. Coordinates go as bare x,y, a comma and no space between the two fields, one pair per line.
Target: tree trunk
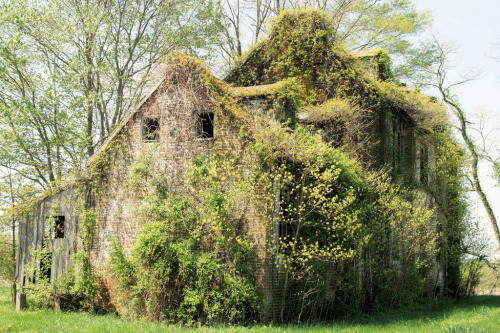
475,161
13,241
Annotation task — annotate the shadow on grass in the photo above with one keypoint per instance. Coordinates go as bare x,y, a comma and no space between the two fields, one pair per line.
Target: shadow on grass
444,308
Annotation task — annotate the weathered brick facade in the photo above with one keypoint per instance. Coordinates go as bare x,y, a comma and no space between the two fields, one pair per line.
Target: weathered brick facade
177,107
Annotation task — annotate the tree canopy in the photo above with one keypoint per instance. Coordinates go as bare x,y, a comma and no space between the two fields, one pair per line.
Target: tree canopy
70,70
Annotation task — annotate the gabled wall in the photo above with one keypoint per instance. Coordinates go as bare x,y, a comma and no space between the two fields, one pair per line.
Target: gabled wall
34,230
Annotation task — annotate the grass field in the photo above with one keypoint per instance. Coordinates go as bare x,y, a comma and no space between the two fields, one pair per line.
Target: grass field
477,314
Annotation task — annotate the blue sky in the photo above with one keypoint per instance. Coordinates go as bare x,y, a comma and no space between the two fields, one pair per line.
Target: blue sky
474,27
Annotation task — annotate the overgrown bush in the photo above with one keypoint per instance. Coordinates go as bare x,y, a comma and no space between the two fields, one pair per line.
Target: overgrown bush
78,287
348,239
192,263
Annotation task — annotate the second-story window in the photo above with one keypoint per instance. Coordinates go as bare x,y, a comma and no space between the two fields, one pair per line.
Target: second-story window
205,125
150,128
424,164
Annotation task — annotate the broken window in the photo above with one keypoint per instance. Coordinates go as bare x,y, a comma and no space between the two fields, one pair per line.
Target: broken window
45,260
59,227
397,147
205,125
150,129
54,227
424,164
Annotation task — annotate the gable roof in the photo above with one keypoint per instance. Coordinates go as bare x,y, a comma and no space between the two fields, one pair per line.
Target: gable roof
125,120
173,62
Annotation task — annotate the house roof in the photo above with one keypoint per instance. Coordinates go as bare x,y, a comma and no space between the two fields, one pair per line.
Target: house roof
176,59
125,120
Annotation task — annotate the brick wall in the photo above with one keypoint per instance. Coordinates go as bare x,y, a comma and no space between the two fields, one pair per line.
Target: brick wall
177,107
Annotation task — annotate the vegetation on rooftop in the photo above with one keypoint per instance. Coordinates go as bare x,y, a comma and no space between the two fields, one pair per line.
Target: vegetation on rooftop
301,45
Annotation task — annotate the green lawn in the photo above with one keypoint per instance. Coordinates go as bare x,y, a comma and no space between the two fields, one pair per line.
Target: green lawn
477,314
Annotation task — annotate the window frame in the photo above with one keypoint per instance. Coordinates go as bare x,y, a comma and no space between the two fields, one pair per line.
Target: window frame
200,132
424,164
156,133
55,226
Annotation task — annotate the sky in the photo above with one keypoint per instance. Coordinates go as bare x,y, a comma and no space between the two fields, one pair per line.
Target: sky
474,28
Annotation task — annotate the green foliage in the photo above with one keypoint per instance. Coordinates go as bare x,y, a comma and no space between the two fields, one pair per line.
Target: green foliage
37,275
192,263
78,286
402,243
84,284
343,122
333,223
345,238
449,192
301,45
297,44
70,72
358,24
424,111
7,262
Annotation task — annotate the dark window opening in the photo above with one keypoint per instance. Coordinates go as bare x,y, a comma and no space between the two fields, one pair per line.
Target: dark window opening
150,128
397,147
59,227
205,125
45,262
424,164
54,227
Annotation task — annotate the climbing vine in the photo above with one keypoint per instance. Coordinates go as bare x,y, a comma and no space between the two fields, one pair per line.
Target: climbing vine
193,262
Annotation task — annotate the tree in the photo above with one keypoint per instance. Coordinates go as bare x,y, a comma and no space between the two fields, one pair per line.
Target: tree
439,76
36,122
71,70
242,16
8,225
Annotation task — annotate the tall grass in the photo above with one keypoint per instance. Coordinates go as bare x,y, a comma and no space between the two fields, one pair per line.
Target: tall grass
476,314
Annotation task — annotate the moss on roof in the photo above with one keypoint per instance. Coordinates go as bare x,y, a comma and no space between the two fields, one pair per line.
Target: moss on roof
422,109
301,45
295,45
254,91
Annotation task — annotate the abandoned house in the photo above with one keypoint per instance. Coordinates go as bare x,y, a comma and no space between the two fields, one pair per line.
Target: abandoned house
304,83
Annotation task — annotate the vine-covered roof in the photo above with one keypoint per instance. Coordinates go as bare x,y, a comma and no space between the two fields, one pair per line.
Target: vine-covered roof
301,45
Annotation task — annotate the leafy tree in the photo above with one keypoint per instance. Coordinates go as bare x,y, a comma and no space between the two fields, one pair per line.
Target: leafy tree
8,227
70,70
358,24
438,78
